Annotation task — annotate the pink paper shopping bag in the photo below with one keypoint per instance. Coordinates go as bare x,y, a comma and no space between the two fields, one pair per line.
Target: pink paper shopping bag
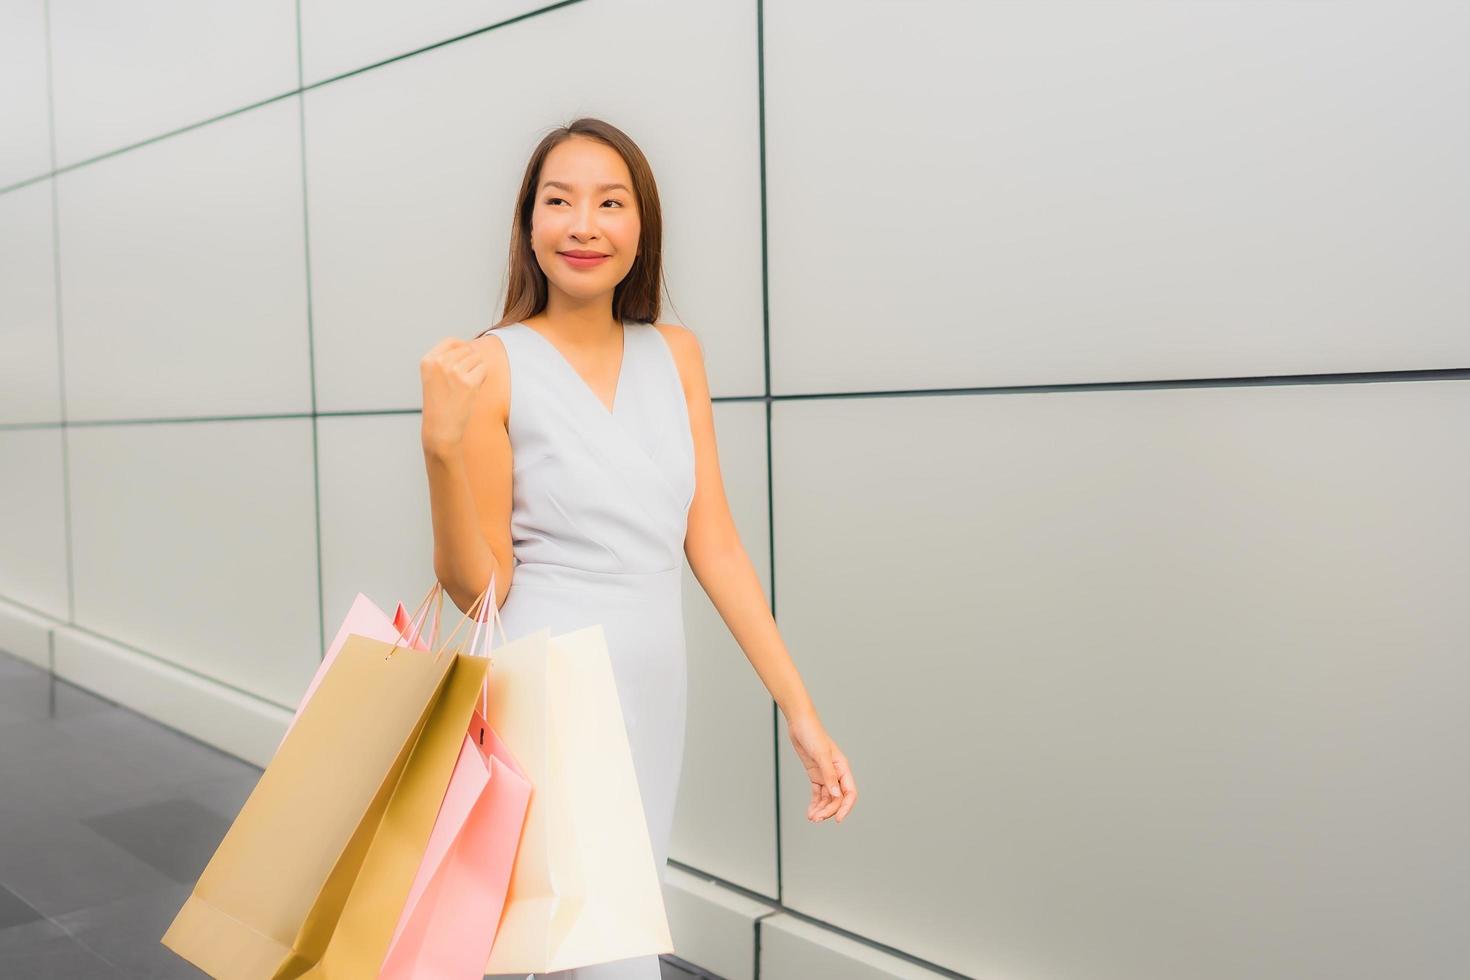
366,619
448,924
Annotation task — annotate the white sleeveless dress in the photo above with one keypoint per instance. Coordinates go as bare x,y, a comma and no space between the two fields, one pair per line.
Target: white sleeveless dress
600,504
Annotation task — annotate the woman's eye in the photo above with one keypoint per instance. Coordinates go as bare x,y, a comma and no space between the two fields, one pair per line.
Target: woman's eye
551,200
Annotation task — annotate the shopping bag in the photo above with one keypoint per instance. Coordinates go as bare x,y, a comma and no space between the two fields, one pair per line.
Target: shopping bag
311,876
447,925
585,887
401,623
365,619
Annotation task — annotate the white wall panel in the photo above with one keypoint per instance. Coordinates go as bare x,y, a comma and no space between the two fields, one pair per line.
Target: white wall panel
413,168
791,949
725,820
25,150
377,531
231,720
712,925
126,72
196,542
184,274
26,634
963,194
30,384
344,35
32,520
1137,683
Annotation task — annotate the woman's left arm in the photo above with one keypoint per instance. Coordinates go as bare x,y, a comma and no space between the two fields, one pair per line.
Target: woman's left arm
718,560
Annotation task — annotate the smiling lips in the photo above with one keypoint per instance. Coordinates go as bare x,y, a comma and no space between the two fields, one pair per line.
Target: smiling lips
580,259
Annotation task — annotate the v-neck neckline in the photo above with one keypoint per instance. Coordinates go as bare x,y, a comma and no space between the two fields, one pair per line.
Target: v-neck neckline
596,398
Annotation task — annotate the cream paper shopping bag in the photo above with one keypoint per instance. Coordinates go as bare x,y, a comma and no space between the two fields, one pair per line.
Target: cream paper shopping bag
584,888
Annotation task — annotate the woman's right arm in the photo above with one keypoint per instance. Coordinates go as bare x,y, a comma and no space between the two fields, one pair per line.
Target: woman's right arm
467,455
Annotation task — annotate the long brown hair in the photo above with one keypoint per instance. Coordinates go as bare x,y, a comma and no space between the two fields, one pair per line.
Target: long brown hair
636,298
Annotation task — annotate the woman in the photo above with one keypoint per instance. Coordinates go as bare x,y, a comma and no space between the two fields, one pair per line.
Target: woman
571,449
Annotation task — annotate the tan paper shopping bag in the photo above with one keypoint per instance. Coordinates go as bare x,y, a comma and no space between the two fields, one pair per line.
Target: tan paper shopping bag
309,879
584,888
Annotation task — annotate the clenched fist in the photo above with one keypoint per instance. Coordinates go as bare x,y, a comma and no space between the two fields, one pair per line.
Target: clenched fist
452,372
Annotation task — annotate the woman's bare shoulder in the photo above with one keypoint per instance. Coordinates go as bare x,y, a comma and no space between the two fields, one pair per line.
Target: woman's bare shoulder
688,355
495,391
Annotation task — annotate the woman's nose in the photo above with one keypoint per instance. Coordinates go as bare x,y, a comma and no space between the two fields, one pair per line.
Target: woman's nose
584,223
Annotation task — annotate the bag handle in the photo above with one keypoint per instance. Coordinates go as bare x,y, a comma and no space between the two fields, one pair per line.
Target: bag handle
435,590
481,622
478,609
477,614
416,625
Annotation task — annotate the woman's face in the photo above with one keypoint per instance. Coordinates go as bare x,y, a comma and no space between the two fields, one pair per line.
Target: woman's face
576,211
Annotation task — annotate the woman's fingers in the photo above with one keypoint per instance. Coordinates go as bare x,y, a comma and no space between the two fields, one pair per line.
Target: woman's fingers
824,805
818,804
815,806
849,788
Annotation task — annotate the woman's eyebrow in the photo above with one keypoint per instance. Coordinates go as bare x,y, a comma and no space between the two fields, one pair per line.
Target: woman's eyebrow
568,187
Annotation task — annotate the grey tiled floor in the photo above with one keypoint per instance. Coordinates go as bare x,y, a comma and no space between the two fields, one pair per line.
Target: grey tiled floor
106,820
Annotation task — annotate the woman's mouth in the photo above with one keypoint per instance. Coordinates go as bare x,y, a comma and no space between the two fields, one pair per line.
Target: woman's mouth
582,261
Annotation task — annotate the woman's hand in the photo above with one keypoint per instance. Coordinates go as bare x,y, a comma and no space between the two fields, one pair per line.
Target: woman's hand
833,788
452,372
